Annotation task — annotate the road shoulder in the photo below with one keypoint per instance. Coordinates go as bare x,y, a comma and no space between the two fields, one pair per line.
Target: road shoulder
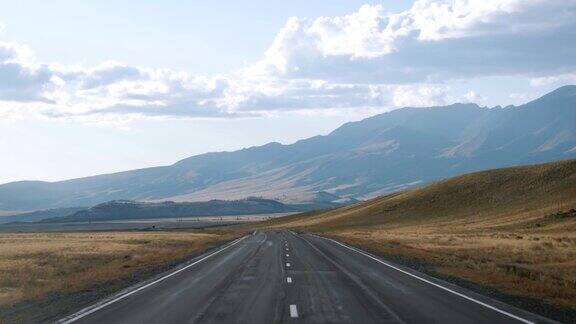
532,308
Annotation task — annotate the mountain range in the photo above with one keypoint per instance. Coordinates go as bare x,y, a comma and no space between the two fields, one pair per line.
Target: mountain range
392,151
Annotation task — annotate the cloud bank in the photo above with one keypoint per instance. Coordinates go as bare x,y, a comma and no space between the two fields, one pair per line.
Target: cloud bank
367,59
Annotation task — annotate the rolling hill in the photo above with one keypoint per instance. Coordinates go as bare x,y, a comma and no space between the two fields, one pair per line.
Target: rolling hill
508,232
501,198
389,152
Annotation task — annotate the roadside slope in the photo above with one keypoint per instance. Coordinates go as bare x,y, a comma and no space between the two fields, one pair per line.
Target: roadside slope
510,232
505,197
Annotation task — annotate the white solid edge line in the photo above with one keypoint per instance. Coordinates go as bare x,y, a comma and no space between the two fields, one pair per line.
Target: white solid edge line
91,309
293,311
432,283
289,280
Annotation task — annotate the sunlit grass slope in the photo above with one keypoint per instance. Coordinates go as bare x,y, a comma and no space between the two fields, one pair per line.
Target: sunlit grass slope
488,199
513,229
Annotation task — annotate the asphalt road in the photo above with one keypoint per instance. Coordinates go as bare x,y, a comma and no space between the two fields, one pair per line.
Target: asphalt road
285,277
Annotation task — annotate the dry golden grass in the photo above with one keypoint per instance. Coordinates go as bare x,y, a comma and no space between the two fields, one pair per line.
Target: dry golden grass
498,227
34,265
532,263
487,199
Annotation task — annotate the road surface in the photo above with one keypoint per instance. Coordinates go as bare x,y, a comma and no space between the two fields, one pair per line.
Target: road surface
285,277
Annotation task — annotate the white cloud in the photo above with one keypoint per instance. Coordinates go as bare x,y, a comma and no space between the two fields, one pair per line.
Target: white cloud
367,60
21,79
434,40
520,96
60,91
473,97
419,96
551,79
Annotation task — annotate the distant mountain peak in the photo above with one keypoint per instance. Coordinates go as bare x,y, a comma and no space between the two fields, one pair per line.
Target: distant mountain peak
565,93
569,88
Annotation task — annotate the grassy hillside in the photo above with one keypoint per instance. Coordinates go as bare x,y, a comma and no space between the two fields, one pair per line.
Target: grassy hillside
509,197
512,229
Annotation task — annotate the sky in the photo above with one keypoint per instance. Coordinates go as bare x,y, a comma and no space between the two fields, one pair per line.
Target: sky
91,87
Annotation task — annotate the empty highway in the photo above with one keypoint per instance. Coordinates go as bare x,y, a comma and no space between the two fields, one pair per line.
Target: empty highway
286,277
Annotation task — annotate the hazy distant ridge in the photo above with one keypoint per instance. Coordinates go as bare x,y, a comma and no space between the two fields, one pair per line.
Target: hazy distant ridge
361,159
122,210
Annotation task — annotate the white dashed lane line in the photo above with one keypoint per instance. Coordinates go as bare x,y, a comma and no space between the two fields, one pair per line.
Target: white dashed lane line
293,311
289,280
288,264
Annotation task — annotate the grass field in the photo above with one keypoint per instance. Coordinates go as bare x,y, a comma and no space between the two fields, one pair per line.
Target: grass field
513,229
34,265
